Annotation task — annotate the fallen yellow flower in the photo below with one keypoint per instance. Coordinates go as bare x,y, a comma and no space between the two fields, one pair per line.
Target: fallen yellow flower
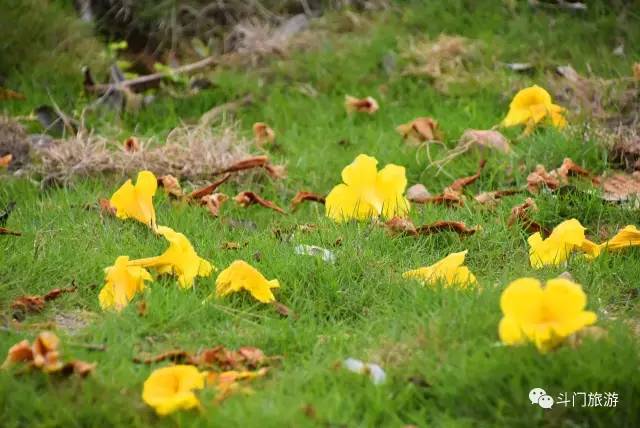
137,201
171,388
449,270
122,282
555,250
530,106
367,192
179,259
242,276
629,236
544,316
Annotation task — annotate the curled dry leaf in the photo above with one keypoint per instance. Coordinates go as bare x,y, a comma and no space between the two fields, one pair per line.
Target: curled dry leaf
170,185
284,310
44,355
214,202
36,303
621,187
131,145
541,178
420,129
198,194
263,133
247,163
552,180
276,172
490,198
5,231
418,193
399,225
219,357
302,196
520,213
5,160
489,139
459,184
360,105
570,168
244,199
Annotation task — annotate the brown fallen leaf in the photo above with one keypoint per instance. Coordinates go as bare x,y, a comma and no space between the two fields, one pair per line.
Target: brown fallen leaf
302,196
44,355
399,225
8,94
174,355
459,184
33,304
490,198
621,187
420,130
244,199
231,245
570,168
171,186
418,193
5,231
364,105
106,208
541,178
248,163
198,194
131,145
263,134
214,202
276,172
636,71
449,198
485,139
520,213
219,357
142,308
284,310
5,160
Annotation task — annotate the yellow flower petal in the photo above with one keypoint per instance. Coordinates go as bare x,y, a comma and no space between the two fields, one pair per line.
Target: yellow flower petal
179,259
530,106
391,183
510,332
242,276
555,250
122,283
137,201
171,388
449,270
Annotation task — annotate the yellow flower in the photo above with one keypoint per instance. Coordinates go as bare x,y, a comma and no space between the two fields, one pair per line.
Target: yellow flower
137,201
556,249
367,192
542,316
629,236
242,276
171,388
530,106
449,270
179,259
122,282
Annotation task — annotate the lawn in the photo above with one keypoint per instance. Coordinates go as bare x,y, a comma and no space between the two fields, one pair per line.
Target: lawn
439,346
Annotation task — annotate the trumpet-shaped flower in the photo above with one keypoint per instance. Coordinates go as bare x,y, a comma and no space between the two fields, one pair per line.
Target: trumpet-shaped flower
137,201
544,316
171,388
122,283
179,259
449,270
240,275
367,192
530,106
555,250
629,236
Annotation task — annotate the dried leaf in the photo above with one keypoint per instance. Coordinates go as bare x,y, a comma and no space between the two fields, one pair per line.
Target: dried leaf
420,130
302,196
520,213
276,172
131,145
490,198
570,168
5,231
142,308
5,160
8,94
244,199
175,356
459,184
231,245
57,292
621,187
399,225
447,226
34,304
219,357
485,139
364,105
248,163
418,193
636,71
79,368
197,195
449,198
170,185
263,134
284,310
106,207
214,202
539,178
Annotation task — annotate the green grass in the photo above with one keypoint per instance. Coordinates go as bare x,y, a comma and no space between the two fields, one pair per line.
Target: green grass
360,306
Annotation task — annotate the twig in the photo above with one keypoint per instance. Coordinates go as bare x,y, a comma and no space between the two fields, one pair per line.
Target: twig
210,116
